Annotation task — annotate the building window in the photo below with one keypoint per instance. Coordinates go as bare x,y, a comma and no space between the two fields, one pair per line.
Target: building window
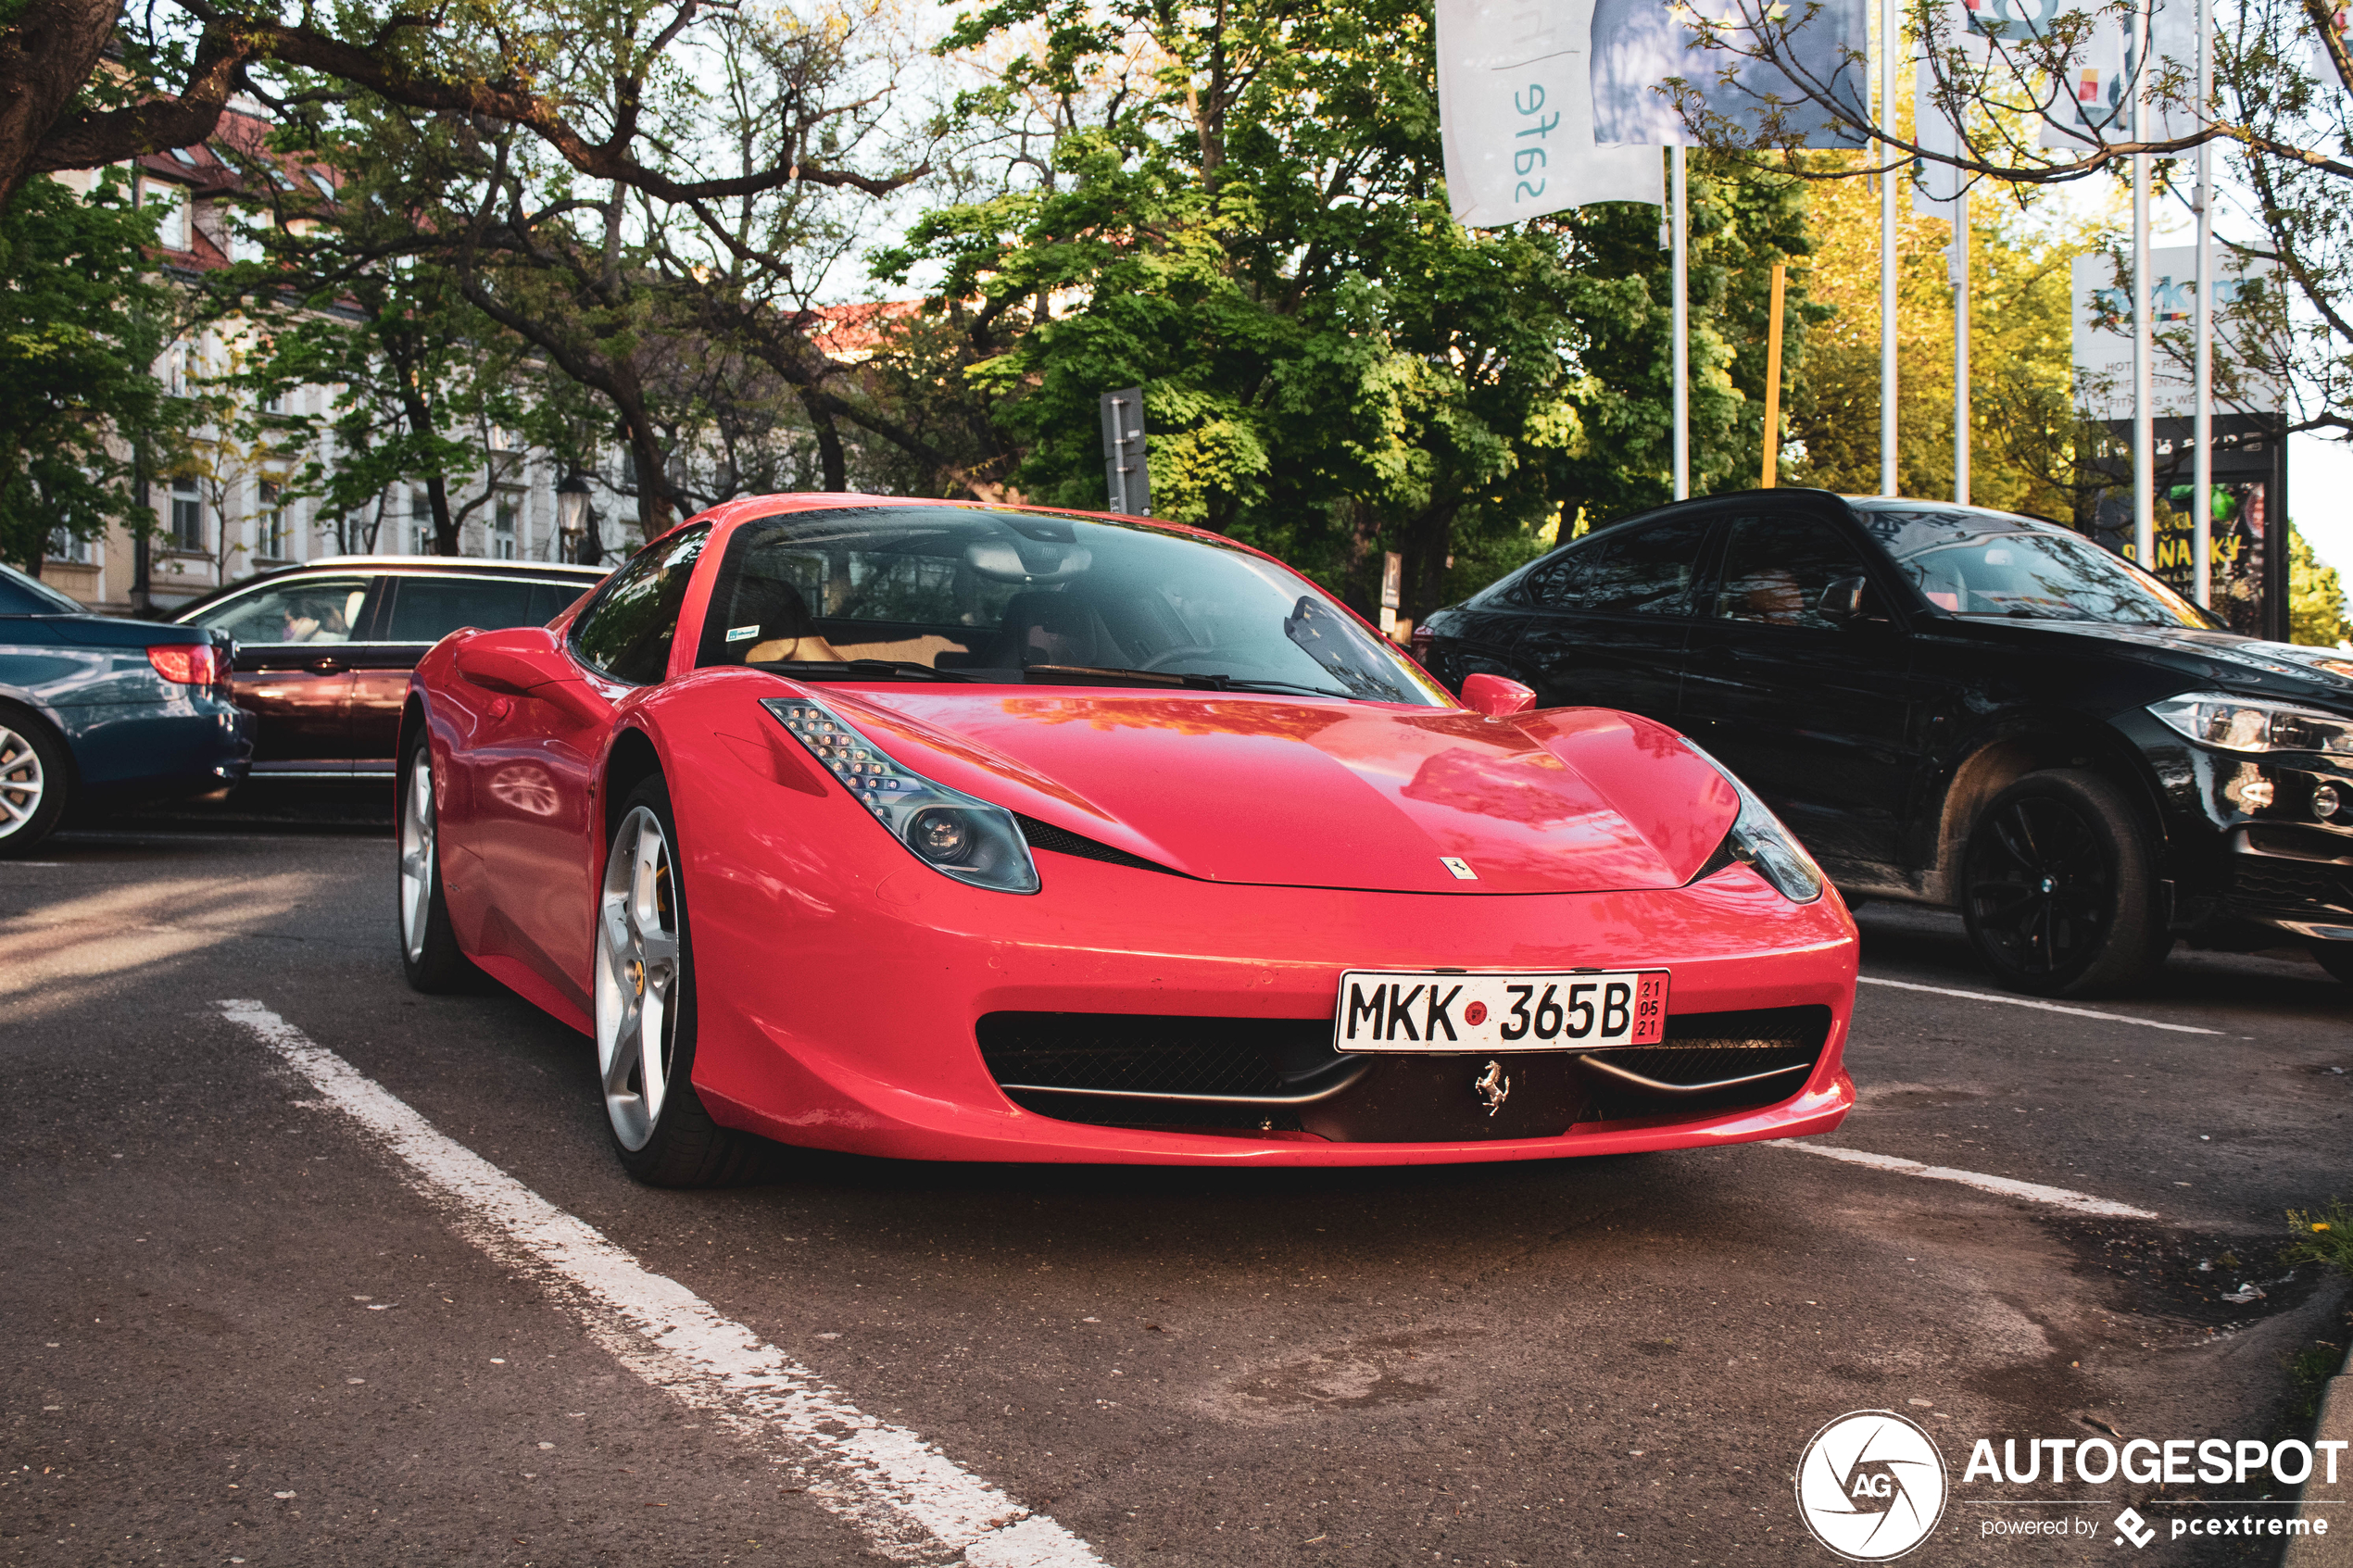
420,521
171,202
502,531
269,529
187,515
63,546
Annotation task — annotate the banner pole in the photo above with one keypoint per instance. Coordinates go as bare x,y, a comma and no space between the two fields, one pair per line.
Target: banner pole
2144,422
1682,196
1960,348
1891,37
1773,378
2202,435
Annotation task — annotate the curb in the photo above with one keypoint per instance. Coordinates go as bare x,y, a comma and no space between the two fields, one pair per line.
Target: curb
2334,1549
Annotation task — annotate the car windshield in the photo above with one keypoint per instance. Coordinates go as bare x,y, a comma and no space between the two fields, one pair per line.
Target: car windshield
954,593
1968,561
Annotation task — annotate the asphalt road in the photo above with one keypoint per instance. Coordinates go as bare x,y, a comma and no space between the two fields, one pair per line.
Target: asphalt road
237,1330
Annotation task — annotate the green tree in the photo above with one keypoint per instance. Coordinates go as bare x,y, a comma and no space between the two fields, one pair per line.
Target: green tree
80,325
1243,209
2315,598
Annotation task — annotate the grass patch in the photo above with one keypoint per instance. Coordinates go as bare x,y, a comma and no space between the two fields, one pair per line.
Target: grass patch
2308,1371
2323,1236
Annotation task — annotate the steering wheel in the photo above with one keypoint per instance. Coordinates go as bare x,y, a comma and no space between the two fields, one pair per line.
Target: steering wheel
1158,659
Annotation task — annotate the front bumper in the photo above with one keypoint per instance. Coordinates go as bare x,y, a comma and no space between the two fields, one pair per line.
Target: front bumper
2250,849
846,1017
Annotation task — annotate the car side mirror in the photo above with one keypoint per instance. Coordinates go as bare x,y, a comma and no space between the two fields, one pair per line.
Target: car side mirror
1496,696
1843,600
515,662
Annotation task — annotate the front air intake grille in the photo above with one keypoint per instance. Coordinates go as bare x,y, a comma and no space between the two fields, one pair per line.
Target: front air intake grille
1062,841
1130,1069
2277,883
1711,1061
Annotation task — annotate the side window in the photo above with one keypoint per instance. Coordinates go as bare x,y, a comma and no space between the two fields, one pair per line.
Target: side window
312,609
425,609
1776,567
1551,583
1645,569
627,631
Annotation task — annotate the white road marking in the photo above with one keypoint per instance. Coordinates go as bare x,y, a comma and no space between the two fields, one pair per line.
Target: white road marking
915,1504
2033,1192
2038,1006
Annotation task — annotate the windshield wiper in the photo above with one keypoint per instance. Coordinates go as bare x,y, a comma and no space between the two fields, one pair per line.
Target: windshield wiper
859,670
1091,675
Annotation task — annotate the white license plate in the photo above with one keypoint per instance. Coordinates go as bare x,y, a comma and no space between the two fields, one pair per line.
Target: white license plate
1423,1011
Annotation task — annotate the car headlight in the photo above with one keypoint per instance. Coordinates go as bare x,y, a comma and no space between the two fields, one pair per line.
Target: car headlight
946,829
1758,841
2249,724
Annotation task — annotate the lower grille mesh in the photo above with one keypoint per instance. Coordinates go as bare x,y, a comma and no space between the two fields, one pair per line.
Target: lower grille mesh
1707,1048
1142,1053
2278,883
1034,1054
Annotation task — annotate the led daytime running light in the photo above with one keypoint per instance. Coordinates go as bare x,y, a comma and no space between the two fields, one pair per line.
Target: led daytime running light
952,832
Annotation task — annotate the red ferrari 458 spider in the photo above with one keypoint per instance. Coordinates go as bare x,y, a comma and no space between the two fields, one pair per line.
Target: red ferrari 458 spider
964,832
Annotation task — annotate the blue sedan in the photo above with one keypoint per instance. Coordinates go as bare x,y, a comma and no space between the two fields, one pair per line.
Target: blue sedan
94,710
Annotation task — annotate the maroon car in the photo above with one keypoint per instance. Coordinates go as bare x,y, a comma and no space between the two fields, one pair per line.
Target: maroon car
324,649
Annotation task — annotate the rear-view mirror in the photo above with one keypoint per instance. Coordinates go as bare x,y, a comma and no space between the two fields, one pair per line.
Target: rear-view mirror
1843,600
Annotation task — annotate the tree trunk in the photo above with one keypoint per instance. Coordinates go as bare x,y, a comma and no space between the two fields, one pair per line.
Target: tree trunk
45,55
445,527
829,453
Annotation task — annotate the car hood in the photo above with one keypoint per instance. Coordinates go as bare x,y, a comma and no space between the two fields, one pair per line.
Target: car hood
2206,657
1246,788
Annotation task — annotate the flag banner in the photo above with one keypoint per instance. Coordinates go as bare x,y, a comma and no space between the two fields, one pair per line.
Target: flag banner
1643,47
2103,335
1515,112
1936,186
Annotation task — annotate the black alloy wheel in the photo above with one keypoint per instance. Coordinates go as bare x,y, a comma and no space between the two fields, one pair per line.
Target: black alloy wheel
2058,889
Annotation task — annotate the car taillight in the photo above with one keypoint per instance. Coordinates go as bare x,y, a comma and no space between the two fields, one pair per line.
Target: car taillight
187,664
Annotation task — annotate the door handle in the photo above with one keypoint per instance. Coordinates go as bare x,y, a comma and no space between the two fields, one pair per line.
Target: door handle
325,666
1721,656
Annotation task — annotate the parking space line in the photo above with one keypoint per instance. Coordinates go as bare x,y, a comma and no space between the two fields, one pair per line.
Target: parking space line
911,1501
2033,1192
2038,1006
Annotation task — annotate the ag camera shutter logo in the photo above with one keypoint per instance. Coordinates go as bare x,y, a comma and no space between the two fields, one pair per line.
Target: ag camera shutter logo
1870,1486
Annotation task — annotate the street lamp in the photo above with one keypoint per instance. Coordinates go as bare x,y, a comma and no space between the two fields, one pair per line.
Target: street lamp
572,514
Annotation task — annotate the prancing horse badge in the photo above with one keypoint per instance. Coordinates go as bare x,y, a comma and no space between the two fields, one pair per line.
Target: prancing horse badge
1494,1088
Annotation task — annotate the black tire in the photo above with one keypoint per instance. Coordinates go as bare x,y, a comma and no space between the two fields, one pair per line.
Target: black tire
2337,958
669,1140
2058,889
429,952
36,781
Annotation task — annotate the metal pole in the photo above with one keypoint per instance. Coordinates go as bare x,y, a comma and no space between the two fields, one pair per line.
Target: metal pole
1773,378
2202,433
2143,355
1891,39
1682,327
1960,348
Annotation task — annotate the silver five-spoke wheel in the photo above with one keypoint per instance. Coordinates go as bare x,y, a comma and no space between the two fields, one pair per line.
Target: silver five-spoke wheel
637,974
23,782
417,855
